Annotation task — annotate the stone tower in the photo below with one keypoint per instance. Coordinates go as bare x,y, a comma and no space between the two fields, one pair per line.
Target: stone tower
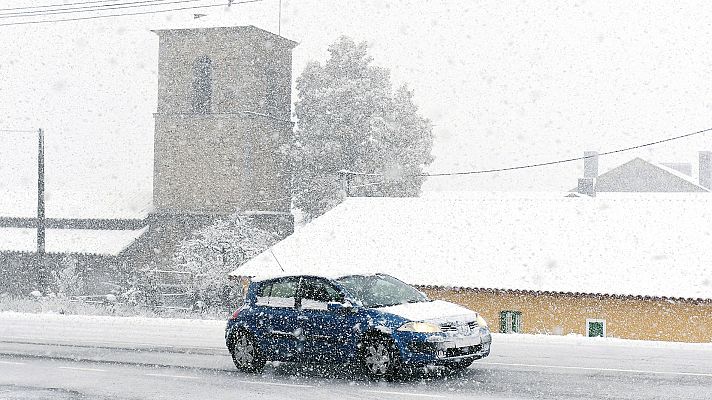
223,122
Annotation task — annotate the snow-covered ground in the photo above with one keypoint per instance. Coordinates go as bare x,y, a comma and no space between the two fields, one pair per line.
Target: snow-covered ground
129,332
121,332
155,358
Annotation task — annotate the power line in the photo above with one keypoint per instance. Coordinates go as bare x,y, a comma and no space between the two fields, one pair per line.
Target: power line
367,184
29,10
93,8
125,14
58,5
486,171
569,159
17,131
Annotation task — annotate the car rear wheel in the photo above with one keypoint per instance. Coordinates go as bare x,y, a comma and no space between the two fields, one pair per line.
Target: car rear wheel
246,353
379,358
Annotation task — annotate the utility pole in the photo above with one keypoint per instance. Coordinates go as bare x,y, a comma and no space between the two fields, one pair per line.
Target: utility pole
223,251
41,272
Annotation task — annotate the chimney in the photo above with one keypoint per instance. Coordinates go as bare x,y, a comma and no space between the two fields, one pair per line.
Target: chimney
706,169
587,184
590,164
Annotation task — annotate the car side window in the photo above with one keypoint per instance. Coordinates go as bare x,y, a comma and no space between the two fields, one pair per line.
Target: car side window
263,293
316,294
278,293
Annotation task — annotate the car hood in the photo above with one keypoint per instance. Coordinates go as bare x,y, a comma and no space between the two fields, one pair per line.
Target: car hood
434,311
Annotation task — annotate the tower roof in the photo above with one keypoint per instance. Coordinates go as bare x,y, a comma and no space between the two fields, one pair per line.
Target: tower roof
247,29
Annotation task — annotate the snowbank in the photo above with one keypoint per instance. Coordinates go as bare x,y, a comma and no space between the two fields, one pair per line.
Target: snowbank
119,332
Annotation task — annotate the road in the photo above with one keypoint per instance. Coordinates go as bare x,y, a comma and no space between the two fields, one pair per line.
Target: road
41,365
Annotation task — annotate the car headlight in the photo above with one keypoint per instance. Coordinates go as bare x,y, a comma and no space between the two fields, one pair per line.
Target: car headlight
421,327
481,321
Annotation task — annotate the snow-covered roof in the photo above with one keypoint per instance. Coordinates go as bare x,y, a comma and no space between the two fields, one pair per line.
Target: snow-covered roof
87,241
214,23
657,244
72,204
681,175
623,178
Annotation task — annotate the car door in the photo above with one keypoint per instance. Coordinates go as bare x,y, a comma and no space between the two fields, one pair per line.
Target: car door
278,328
328,335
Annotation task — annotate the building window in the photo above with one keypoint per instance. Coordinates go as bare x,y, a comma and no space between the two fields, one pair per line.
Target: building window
596,327
202,88
510,322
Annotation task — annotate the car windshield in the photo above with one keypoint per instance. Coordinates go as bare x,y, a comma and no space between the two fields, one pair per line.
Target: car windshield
380,290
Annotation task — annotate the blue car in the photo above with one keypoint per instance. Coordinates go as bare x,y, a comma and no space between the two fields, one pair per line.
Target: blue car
376,322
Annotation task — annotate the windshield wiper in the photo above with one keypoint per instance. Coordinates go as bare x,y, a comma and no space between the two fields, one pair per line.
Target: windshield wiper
385,305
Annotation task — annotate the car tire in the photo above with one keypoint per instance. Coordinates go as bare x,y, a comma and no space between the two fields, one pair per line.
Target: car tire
246,353
379,358
458,366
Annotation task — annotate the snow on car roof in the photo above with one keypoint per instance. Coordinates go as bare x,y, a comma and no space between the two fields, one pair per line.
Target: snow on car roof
238,273
634,244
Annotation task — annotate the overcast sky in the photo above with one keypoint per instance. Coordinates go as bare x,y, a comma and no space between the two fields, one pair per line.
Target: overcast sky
505,83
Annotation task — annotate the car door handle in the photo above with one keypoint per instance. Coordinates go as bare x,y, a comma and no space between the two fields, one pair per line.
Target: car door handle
302,318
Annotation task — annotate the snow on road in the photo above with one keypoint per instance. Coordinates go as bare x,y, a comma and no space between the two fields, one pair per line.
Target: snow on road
103,356
207,337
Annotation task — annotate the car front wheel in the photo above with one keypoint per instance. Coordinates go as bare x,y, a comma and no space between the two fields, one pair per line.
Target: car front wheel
246,354
379,358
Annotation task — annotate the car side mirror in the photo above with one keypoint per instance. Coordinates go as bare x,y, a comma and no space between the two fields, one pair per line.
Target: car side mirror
334,306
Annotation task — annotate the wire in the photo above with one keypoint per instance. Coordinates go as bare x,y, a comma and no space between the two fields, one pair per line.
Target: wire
17,131
569,159
57,5
486,171
125,14
367,184
272,200
95,8
347,172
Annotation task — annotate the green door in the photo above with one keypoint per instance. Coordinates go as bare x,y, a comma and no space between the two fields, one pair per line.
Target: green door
510,321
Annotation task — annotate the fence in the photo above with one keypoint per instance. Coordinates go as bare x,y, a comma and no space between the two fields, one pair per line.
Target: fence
172,289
